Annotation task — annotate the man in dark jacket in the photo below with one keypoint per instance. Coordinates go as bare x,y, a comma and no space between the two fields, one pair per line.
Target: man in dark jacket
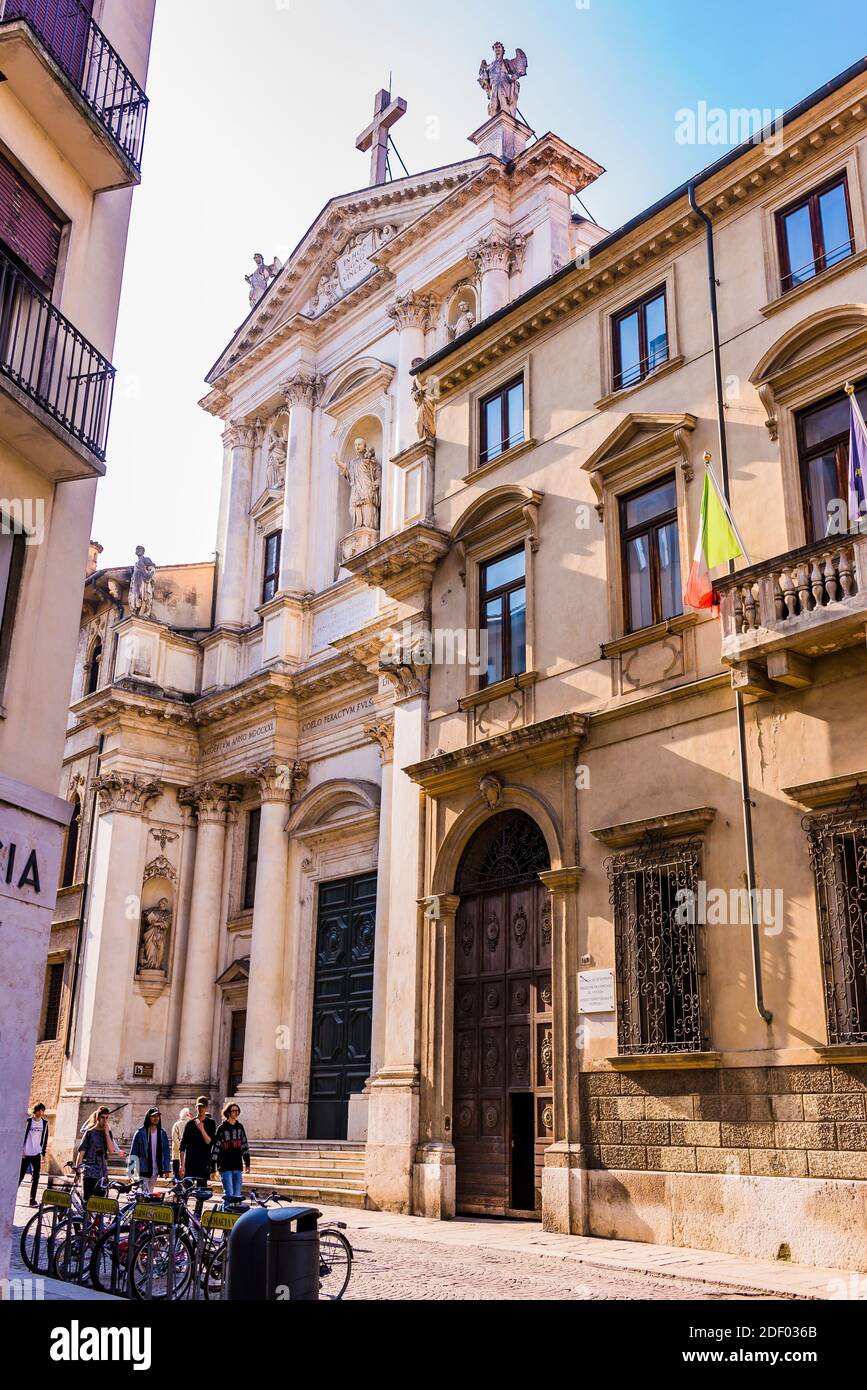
150,1152
196,1142
33,1151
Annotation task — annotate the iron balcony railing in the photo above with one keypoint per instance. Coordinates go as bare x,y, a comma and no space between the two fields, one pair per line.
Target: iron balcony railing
80,48
47,358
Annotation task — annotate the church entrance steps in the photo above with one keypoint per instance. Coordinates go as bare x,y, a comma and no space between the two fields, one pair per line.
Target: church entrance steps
311,1170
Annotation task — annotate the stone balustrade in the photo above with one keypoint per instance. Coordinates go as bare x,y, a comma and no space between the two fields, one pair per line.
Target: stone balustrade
779,614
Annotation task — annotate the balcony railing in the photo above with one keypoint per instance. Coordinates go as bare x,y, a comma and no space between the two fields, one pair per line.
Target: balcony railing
47,358
81,49
812,600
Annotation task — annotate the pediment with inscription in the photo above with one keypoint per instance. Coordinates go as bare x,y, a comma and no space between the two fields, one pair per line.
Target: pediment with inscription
351,267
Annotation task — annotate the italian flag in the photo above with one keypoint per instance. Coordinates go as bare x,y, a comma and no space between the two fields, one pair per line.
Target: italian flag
718,541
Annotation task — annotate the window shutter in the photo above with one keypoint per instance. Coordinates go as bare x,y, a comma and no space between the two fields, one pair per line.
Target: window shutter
27,227
63,26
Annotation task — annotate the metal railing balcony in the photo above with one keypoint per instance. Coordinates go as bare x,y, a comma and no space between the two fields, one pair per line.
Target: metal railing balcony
80,48
47,358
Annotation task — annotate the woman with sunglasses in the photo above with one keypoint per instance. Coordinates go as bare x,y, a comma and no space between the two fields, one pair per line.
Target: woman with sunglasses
230,1151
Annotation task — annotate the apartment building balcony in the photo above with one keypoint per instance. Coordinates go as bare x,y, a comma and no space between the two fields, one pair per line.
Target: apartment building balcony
780,615
62,68
55,387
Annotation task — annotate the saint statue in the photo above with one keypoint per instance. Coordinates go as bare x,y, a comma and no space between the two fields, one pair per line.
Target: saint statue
156,924
499,79
424,396
465,319
362,473
141,585
262,277
277,449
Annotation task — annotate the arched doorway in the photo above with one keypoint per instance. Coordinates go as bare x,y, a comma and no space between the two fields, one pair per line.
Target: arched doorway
503,1058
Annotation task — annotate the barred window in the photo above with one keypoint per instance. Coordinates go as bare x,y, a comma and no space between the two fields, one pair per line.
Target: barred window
658,948
838,857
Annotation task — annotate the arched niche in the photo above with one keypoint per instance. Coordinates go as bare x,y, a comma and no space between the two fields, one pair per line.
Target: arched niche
369,429
462,305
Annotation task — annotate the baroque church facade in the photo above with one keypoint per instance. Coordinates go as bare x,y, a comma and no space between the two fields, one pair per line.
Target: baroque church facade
388,819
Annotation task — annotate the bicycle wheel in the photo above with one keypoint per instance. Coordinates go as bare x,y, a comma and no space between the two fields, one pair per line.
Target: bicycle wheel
168,1281
37,1261
103,1261
67,1254
335,1264
213,1275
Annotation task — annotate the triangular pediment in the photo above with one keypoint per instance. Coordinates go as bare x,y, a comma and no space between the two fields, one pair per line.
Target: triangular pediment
637,439
338,256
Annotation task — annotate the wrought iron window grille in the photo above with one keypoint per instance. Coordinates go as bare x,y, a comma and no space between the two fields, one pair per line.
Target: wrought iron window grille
837,841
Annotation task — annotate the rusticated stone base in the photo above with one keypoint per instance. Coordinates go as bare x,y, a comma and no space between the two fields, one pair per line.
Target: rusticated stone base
813,1221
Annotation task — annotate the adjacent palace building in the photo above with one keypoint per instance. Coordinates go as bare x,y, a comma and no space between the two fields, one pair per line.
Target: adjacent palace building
72,125
416,822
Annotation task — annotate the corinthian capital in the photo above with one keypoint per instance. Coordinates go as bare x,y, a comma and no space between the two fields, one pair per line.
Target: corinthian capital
381,731
411,310
209,800
496,251
278,781
303,388
124,792
240,435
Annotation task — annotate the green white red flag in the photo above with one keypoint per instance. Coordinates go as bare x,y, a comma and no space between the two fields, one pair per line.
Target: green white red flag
718,542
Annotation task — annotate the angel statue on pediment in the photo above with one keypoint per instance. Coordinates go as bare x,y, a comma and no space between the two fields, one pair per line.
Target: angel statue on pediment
499,80
262,277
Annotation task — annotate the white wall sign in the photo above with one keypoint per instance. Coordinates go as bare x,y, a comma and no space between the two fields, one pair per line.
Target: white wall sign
595,991
343,617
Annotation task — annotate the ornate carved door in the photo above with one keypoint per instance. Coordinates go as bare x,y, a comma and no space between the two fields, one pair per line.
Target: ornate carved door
342,1002
503,1072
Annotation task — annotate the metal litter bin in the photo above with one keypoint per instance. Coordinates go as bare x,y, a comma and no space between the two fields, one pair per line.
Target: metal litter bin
273,1253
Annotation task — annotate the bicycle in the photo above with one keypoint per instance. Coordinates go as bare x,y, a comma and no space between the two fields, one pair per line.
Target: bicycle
111,1265
335,1253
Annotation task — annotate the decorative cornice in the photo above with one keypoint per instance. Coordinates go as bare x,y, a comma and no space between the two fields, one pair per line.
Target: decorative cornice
129,794
403,561
411,310
303,388
278,782
532,746
831,791
673,825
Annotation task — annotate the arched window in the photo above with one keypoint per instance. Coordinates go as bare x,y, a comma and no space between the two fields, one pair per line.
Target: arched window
92,675
70,853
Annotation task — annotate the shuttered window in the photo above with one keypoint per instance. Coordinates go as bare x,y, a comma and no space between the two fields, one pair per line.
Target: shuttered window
28,228
63,26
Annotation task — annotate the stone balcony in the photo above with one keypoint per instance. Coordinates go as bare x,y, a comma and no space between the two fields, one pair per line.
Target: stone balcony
778,616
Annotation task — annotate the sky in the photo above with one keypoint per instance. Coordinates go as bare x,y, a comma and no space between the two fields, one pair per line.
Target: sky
254,110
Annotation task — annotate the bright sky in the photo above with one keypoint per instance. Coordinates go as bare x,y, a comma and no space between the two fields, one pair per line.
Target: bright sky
255,106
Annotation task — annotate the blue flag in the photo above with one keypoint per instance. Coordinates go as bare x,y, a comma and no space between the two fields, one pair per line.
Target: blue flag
857,463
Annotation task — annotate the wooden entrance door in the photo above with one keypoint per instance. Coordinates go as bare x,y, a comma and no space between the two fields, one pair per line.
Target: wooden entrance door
236,1050
342,1002
503,1055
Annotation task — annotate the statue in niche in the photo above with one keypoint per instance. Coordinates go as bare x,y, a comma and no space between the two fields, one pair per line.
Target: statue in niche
362,472
277,446
141,585
262,277
465,319
156,923
424,397
499,80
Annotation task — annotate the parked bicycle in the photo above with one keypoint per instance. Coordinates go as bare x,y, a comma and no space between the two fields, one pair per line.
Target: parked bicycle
335,1252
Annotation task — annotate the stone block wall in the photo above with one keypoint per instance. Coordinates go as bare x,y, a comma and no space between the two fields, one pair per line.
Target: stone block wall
805,1122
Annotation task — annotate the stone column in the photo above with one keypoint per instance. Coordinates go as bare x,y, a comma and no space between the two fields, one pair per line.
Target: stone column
301,393
411,314
381,731
434,1175
564,1176
232,592
210,802
110,961
394,1099
495,255
259,1089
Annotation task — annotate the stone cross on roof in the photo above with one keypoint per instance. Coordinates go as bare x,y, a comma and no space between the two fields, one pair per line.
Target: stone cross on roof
375,137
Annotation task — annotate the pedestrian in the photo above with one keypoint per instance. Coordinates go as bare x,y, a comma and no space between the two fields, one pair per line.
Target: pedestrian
35,1144
95,1146
231,1152
196,1142
178,1128
149,1154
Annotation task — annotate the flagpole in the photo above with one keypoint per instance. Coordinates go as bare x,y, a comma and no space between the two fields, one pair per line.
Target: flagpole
749,846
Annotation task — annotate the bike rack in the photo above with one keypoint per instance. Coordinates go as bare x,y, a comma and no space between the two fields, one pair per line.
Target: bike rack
60,1203
98,1208
215,1220
151,1214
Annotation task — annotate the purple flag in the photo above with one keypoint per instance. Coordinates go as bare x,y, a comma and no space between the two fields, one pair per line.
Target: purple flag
857,464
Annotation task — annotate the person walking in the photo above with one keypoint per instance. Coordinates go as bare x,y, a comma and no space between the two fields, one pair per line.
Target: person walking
195,1145
33,1152
231,1152
96,1144
178,1128
149,1154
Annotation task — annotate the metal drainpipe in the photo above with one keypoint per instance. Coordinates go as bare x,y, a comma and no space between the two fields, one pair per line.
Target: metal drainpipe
761,1009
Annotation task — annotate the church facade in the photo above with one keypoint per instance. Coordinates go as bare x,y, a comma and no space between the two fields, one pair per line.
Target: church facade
391,841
